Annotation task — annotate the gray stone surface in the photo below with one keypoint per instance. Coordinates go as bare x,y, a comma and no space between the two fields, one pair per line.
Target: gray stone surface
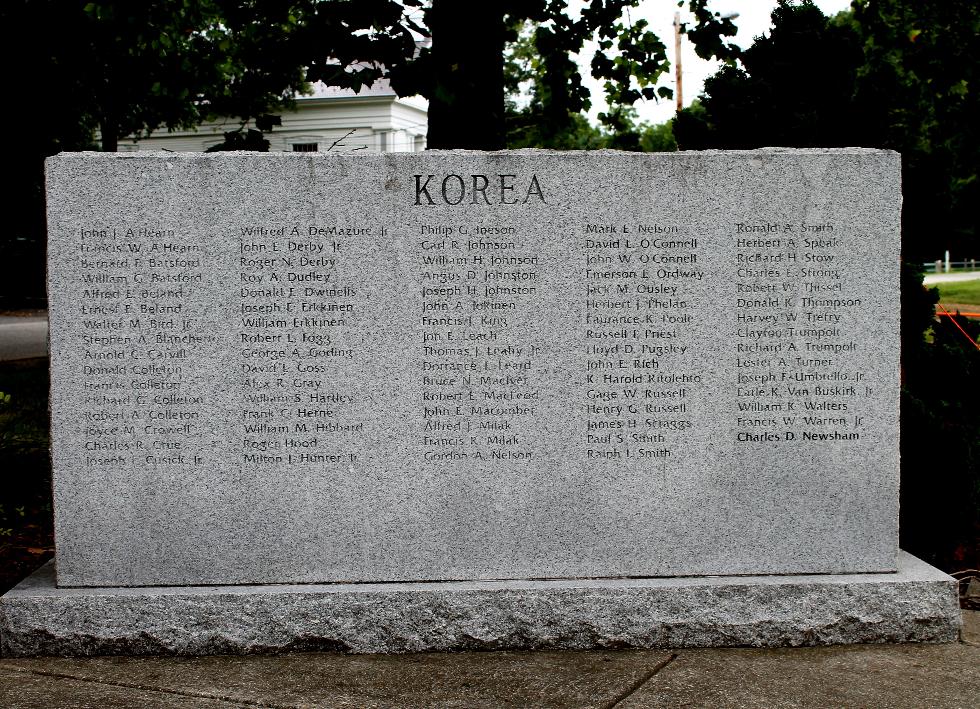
191,377
917,604
886,676
40,690
971,628
879,676
501,679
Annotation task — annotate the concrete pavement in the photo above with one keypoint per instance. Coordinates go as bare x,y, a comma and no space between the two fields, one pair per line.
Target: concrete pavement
938,676
23,337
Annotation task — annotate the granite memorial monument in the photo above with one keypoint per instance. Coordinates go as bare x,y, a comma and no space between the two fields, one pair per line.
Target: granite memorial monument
551,399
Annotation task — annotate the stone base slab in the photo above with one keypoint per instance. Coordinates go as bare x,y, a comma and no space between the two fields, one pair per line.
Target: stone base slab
917,604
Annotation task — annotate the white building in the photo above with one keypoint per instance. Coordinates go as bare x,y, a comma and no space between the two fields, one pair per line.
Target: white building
373,119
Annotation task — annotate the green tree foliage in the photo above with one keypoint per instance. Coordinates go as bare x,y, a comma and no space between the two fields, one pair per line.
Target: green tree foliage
791,88
32,77
658,138
463,72
139,67
525,113
940,446
174,63
920,73
524,125
132,68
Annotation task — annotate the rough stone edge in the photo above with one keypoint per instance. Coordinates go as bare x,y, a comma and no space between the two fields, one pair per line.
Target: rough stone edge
520,152
917,604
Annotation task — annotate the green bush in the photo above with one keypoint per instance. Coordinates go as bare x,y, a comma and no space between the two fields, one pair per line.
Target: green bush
25,469
940,498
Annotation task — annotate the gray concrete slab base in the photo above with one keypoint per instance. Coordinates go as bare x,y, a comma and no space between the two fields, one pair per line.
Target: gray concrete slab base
916,604
879,676
543,680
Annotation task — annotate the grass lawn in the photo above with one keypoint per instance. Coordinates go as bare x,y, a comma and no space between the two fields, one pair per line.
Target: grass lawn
962,292
25,470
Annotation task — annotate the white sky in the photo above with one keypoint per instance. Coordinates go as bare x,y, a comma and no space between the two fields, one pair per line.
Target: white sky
753,21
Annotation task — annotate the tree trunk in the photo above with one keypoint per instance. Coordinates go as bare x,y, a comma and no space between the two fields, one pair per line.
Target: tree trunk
110,136
466,108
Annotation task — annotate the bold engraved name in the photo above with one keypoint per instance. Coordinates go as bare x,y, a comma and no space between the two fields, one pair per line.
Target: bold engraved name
454,189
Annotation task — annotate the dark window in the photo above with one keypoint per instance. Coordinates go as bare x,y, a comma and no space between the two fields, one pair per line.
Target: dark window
305,147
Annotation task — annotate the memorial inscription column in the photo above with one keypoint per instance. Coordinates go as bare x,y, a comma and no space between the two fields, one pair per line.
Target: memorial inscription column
477,275
297,309
136,328
798,359
638,340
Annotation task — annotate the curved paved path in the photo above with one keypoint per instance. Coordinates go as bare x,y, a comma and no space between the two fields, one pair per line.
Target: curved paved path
23,337
934,278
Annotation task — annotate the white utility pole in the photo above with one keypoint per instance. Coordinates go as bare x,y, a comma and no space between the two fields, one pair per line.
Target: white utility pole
677,56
